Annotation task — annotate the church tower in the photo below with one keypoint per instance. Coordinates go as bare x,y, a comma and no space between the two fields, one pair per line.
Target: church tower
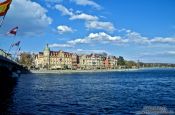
47,56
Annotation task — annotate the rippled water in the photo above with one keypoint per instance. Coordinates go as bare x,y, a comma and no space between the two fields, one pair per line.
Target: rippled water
119,93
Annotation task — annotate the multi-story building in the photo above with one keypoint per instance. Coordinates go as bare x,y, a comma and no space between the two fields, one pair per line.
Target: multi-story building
112,62
75,61
106,63
65,60
55,59
92,61
39,59
82,62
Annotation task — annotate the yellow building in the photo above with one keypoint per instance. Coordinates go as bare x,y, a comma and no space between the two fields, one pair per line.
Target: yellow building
55,59
112,62
92,61
65,60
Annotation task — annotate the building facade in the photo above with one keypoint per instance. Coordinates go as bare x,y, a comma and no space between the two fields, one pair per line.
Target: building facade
55,59
64,60
93,61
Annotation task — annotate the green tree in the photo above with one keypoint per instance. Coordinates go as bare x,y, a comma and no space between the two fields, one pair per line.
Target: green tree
121,61
130,64
26,59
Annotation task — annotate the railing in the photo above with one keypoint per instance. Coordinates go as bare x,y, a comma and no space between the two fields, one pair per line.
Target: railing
6,55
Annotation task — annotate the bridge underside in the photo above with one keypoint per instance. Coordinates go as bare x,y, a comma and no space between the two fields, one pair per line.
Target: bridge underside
7,67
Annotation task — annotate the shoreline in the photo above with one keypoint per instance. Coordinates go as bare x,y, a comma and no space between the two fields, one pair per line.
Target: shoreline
79,71
89,71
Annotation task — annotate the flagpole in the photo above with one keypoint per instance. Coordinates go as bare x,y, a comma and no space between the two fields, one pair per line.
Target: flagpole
13,32
12,43
16,53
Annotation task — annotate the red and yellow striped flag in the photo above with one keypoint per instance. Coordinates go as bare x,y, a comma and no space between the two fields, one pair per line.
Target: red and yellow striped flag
4,6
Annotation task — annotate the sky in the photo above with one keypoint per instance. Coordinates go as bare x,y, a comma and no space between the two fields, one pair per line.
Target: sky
135,29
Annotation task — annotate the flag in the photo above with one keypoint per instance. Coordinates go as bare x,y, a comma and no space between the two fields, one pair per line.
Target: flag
13,31
16,44
4,6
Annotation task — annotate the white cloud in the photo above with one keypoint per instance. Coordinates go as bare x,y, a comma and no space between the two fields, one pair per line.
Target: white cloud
83,16
76,15
94,38
171,52
108,26
99,37
54,1
64,29
129,38
91,51
91,21
87,3
103,36
30,16
79,2
162,53
63,10
124,30
138,38
163,40
79,41
60,45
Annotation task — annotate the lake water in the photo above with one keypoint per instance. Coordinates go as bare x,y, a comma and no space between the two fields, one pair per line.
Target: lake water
118,93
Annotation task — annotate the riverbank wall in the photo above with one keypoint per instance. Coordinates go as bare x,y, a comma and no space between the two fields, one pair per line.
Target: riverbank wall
78,71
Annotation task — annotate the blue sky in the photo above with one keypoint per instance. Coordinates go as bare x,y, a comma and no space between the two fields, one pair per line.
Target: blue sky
134,29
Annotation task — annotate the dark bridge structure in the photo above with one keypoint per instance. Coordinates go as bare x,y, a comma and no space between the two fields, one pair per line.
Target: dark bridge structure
9,67
9,73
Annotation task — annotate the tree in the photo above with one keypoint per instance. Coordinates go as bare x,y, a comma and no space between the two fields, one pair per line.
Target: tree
130,64
121,61
26,59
